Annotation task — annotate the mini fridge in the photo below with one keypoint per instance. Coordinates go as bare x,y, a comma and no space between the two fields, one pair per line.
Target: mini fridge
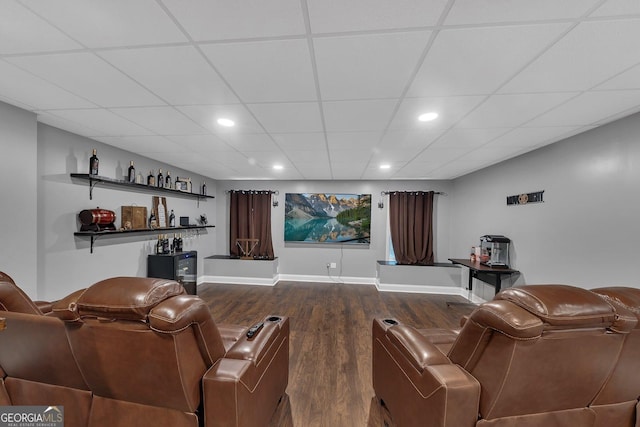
180,266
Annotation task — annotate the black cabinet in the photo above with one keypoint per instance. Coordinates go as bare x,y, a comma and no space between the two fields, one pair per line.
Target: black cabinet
181,266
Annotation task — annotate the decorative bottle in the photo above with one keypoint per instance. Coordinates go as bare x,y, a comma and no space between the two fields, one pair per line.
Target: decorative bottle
94,163
151,180
131,175
172,219
167,181
160,180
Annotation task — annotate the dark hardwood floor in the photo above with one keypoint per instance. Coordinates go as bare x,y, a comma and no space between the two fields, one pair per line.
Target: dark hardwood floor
330,343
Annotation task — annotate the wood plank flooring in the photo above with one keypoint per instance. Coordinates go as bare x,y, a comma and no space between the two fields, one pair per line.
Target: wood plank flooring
330,342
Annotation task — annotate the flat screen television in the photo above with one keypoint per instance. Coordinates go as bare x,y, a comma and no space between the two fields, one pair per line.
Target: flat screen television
327,218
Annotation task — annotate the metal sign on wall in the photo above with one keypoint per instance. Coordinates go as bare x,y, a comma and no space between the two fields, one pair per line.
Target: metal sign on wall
526,198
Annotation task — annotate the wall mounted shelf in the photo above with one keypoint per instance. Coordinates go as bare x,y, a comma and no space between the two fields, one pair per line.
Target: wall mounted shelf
97,179
94,235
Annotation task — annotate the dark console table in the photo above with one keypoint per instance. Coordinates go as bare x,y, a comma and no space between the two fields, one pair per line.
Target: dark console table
491,275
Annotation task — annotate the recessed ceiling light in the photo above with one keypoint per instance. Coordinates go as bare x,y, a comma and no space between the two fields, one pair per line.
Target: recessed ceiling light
385,166
427,117
226,122
278,167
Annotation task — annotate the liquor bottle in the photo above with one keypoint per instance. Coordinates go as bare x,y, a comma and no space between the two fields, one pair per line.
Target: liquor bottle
139,178
172,219
189,188
151,179
167,181
173,243
160,180
177,243
165,244
159,246
131,175
153,222
93,163
204,188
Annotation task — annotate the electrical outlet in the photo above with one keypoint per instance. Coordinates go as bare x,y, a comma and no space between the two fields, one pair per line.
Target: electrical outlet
333,265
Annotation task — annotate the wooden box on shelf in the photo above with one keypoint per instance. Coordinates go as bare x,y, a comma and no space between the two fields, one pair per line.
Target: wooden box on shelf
133,217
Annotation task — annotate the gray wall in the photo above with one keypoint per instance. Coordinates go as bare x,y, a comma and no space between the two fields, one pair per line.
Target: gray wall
587,230
353,262
64,261
18,195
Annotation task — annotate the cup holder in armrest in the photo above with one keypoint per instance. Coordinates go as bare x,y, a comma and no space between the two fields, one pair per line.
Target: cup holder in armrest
390,321
274,319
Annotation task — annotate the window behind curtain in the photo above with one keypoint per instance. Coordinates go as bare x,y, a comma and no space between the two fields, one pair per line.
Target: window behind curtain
250,218
411,228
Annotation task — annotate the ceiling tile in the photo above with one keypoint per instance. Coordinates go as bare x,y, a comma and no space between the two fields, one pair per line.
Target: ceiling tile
308,156
390,155
72,126
161,120
589,108
288,117
532,136
349,141
440,155
468,138
86,75
629,79
314,170
357,15
512,110
21,31
35,92
367,66
588,55
408,139
491,11
103,121
146,144
473,61
207,115
201,143
300,140
220,19
110,23
618,8
371,115
450,110
251,142
283,67
177,74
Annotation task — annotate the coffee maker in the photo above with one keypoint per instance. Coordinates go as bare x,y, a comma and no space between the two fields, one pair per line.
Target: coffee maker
494,250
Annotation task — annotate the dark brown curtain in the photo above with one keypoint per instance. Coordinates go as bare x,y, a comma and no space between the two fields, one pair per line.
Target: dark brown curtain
250,218
411,217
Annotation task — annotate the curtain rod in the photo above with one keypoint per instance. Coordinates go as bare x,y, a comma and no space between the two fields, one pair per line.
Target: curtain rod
384,193
276,192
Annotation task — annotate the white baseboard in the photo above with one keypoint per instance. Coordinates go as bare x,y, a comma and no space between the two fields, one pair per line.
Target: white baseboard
327,279
233,280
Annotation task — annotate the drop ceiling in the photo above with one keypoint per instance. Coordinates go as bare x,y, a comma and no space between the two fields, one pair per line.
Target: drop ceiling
327,89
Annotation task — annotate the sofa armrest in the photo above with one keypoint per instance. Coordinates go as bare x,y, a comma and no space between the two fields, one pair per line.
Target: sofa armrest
413,378
245,387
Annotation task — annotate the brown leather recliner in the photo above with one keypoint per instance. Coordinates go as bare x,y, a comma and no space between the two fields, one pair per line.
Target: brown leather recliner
12,298
536,355
153,356
619,397
37,365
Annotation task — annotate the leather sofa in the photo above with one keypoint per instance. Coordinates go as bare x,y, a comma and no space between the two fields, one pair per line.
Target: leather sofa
140,352
537,355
